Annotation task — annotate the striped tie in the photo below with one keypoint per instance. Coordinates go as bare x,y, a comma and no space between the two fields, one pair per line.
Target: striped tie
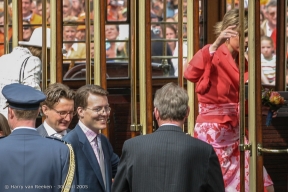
101,158
57,135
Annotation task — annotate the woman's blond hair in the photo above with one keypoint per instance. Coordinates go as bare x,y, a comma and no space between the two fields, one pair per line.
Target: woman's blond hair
35,51
231,18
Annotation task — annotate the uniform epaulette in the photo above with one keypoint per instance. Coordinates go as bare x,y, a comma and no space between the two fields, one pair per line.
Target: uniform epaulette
57,139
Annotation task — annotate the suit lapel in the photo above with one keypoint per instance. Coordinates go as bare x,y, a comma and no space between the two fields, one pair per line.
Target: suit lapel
42,131
90,155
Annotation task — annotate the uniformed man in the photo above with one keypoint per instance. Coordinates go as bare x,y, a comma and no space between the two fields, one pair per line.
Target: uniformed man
29,162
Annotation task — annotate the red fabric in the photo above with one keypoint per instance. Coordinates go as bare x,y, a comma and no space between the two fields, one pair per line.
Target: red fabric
223,79
273,37
2,40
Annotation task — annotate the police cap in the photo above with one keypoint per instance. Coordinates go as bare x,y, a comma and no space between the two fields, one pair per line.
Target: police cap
22,97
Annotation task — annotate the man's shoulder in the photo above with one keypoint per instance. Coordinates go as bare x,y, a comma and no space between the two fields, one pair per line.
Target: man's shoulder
55,142
41,130
40,127
71,135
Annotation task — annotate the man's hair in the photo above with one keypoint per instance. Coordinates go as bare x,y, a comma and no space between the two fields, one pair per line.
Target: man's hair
70,20
26,114
83,92
271,3
171,102
55,92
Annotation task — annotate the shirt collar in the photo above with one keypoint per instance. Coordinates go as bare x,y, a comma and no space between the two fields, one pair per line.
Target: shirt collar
74,47
268,30
88,132
31,128
51,131
28,18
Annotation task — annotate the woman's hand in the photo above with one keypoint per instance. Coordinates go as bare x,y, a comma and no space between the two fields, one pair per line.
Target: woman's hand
224,35
265,110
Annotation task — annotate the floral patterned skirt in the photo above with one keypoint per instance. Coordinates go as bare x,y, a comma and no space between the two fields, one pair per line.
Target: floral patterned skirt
225,140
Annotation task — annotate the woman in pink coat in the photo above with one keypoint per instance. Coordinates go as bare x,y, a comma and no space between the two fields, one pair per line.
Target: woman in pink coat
215,69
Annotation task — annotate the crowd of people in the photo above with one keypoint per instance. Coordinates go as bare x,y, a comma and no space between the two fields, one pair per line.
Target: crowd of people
167,160
117,35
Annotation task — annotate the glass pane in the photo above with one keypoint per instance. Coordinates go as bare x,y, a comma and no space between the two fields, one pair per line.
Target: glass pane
268,19
117,50
117,10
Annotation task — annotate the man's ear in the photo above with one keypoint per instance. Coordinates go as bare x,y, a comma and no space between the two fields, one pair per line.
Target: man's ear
45,109
11,113
156,114
80,112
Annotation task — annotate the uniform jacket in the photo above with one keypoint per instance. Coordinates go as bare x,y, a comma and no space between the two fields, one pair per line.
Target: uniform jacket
88,171
168,160
32,161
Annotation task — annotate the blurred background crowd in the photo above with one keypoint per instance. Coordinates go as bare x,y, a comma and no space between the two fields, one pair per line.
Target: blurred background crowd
164,25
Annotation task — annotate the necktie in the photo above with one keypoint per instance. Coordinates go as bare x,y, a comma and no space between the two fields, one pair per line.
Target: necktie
57,135
101,159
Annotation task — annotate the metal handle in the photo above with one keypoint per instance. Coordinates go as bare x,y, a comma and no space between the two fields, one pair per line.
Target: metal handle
136,127
265,150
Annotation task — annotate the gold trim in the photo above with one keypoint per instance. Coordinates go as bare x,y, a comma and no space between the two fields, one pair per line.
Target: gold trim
142,67
15,22
190,86
252,124
71,171
53,44
97,39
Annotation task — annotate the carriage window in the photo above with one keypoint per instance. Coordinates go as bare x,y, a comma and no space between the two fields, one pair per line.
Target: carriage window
117,10
165,36
117,38
268,19
74,47
9,34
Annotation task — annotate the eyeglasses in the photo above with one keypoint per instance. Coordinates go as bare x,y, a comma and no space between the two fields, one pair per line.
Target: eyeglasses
100,111
64,114
25,27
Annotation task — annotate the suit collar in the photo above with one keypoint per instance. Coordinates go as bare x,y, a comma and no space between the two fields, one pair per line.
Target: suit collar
169,128
89,153
24,131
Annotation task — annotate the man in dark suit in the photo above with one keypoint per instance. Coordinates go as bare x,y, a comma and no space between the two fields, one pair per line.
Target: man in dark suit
29,161
58,109
96,163
168,159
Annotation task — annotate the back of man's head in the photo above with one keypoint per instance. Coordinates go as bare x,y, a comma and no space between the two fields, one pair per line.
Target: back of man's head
23,101
171,102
